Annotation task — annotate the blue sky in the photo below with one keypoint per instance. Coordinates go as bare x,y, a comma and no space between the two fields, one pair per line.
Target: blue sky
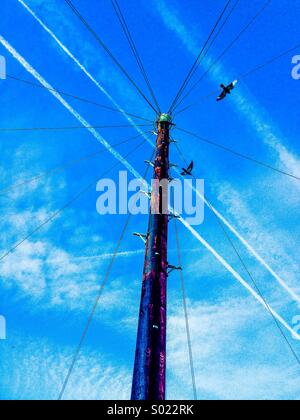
49,284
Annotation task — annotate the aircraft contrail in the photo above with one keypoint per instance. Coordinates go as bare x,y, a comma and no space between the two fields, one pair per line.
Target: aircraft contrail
239,278
245,242
129,167
102,257
65,104
250,248
85,71
125,254
107,256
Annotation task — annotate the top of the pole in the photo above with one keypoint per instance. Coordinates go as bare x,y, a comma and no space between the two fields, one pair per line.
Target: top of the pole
165,118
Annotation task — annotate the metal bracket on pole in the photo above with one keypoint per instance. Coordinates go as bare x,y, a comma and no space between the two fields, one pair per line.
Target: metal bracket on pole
172,268
142,236
149,163
174,216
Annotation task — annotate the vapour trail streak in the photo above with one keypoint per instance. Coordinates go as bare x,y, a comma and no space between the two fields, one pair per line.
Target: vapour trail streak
259,258
219,215
125,254
65,104
129,167
246,243
239,278
82,68
103,257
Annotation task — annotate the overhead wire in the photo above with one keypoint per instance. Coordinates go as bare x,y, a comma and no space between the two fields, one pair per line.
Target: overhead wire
69,128
238,154
228,48
134,50
66,165
107,50
186,315
78,98
242,239
271,61
234,7
257,288
254,282
191,72
97,300
66,0
241,77
60,210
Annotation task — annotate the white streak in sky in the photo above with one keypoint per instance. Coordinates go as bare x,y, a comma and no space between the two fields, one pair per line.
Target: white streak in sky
65,104
85,71
103,257
119,157
219,215
172,21
246,243
239,278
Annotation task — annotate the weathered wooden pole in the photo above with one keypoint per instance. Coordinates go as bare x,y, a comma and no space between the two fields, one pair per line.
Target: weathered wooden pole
149,377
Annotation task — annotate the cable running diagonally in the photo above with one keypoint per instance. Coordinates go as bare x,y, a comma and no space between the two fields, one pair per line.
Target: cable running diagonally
257,288
134,50
280,329
228,48
248,246
77,127
191,72
67,165
97,300
208,49
106,49
78,98
67,205
186,315
127,165
241,77
238,154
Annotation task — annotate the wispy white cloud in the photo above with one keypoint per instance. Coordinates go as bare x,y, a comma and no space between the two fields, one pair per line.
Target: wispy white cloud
252,112
67,106
127,165
38,370
244,104
218,379
84,70
271,242
229,364
46,275
99,138
257,117
103,257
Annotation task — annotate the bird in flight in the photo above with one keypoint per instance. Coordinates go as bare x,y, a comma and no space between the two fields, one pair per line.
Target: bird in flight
188,171
227,90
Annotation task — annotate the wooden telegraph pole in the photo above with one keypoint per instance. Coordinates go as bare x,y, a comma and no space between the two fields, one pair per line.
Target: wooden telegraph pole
149,377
